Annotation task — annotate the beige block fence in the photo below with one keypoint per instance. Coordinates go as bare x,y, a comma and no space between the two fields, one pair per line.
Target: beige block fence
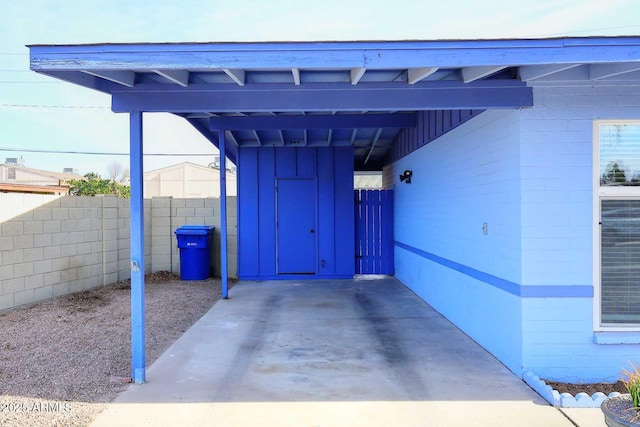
56,245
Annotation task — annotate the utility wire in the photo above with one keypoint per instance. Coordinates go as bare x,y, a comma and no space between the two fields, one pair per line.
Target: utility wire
102,153
28,82
53,106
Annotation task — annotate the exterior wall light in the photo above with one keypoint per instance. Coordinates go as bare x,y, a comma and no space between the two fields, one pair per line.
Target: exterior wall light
406,176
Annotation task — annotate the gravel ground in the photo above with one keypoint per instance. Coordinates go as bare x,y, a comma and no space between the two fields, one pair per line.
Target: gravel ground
63,359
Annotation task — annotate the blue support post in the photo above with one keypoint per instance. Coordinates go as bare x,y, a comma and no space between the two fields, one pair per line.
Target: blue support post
137,249
223,217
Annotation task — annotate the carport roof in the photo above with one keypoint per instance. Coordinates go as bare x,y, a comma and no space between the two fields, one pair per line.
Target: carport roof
359,94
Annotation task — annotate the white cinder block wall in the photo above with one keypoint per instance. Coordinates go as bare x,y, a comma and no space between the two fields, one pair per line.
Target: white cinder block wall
51,246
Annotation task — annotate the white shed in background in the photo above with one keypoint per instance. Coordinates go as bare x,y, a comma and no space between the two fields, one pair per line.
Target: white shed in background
186,181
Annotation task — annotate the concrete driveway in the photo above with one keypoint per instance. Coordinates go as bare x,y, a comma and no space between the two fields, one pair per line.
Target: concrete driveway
328,353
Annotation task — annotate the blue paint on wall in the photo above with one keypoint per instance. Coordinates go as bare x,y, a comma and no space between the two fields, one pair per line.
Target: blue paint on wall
258,171
524,290
459,183
557,226
560,291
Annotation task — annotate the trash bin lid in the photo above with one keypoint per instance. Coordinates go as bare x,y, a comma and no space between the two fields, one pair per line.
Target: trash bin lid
194,229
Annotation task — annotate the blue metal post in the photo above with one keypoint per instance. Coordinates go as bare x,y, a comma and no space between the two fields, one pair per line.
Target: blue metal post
137,249
223,216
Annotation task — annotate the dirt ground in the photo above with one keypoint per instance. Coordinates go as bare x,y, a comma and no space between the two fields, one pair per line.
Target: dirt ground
62,359
574,389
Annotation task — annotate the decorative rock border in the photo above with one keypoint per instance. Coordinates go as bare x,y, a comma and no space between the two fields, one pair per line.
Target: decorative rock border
564,400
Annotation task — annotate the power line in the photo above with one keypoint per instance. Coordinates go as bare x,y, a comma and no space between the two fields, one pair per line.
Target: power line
28,82
102,153
53,106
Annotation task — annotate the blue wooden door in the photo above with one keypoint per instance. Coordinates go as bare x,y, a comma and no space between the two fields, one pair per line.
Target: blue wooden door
374,231
296,226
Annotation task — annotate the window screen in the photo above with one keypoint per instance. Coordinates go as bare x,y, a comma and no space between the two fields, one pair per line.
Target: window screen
620,261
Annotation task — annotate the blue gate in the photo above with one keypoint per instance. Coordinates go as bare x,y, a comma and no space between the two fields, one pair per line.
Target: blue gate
374,231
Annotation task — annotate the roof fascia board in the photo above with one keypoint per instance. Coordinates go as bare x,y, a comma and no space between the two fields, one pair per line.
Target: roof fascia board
329,121
340,97
371,55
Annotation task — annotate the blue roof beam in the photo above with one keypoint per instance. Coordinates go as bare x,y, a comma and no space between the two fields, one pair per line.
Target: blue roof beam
356,75
533,72
295,72
237,76
201,126
471,74
604,71
353,135
437,95
376,138
179,77
414,75
257,137
125,78
317,121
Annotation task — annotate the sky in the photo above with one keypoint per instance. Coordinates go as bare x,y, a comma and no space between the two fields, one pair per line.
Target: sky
39,113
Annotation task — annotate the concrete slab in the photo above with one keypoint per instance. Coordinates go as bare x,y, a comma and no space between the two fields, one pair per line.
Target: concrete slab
585,417
326,353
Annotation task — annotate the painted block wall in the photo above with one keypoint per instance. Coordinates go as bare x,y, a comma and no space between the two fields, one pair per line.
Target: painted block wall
536,273
258,169
56,246
466,178
557,230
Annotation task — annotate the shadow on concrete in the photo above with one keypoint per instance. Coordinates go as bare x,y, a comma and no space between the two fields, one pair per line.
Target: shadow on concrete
311,341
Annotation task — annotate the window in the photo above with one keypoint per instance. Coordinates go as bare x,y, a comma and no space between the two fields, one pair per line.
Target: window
617,213
11,173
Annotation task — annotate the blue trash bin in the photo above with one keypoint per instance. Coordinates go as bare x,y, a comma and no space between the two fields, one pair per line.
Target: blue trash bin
194,242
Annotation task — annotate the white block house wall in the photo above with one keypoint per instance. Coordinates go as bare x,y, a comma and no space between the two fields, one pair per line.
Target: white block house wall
523,290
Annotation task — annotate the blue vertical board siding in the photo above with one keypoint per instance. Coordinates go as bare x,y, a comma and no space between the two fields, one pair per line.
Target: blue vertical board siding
332,168
286,162
374,231
326,223
266,208
306,161
431,125
343,211
248,249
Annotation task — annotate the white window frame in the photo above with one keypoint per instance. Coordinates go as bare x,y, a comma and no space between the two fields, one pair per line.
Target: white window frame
599,194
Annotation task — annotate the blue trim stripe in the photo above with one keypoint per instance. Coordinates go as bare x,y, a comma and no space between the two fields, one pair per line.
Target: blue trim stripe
578,291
